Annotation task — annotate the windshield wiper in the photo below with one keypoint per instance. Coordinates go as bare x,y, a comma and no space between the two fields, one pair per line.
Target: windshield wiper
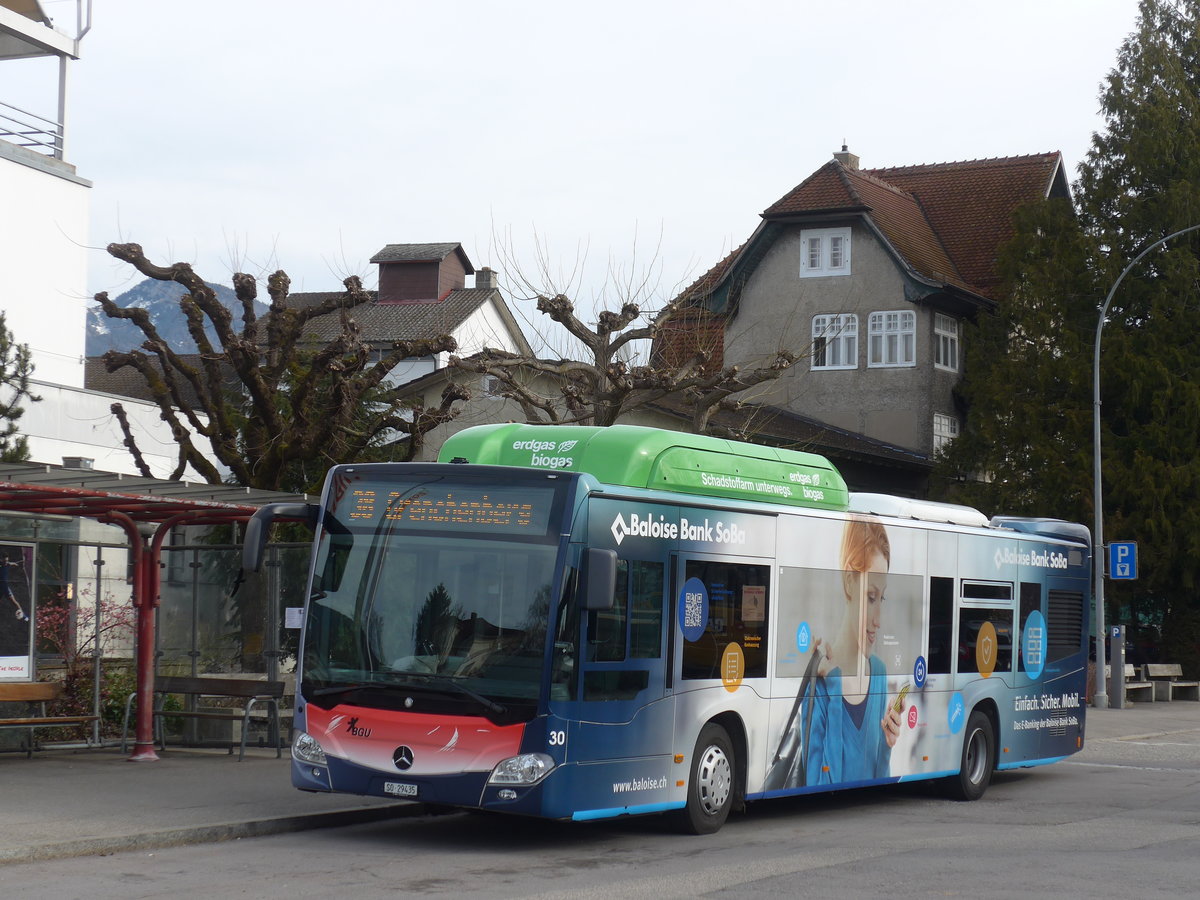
335,689
440,681
446,681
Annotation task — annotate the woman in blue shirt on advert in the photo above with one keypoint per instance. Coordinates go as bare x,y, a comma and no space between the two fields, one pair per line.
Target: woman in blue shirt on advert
846,728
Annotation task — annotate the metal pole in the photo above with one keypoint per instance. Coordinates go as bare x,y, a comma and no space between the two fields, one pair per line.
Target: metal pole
98,655
60,139
1100,697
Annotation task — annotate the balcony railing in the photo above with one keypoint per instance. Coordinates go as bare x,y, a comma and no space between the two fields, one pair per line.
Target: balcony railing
26,129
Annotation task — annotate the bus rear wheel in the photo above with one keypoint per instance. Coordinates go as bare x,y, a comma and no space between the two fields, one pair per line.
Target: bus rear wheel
978,760
711,785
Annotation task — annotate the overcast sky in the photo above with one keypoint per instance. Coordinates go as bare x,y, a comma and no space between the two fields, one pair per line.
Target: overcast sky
257,134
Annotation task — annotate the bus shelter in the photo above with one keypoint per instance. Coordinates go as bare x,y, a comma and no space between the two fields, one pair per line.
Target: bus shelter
148,512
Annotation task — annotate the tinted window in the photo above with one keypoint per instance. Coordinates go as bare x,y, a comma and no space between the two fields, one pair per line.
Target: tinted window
737,613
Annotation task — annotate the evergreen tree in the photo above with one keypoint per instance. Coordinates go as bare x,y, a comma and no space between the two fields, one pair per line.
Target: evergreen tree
1139,183
1028,384
16,368
1026,447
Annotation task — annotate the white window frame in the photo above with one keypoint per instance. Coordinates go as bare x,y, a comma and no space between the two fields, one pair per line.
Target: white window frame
834,336
945,429
824,252
945,342
892,339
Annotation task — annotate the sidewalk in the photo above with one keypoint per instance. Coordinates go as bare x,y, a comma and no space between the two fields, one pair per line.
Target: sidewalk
66,803
1180,717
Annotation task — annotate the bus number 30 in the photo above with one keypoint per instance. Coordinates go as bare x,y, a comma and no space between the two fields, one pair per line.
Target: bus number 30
558,739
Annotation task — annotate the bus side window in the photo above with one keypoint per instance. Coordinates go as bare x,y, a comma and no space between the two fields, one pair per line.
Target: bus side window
971,621
646,610
738,604
941,625
1031,601
607,627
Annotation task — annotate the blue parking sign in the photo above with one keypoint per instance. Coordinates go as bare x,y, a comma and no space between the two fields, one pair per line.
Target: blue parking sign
1122,561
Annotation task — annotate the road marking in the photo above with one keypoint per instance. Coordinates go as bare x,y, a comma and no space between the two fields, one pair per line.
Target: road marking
1119,766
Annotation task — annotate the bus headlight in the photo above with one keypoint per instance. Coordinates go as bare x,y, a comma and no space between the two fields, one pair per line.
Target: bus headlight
306,749
528,768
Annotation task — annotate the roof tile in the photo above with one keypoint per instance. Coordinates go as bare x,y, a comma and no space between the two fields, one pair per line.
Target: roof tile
970,204
415,252
946,219
387,322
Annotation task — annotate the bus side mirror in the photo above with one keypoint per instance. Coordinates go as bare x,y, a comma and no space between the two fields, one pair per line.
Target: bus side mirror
259,526
601,578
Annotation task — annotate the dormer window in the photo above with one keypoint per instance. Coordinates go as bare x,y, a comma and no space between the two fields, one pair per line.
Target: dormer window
824,251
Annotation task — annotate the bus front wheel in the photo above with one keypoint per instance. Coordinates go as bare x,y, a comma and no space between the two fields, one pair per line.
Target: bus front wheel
978,760
711,785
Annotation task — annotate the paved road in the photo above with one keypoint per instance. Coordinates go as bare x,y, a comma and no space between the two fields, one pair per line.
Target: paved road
1121,819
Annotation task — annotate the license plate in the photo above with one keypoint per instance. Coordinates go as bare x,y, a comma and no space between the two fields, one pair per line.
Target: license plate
398,789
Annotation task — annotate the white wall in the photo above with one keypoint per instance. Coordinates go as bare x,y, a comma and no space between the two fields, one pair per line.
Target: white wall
43,261
483,328
70,421
410,370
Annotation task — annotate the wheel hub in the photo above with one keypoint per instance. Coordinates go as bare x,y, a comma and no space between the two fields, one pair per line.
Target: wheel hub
715,780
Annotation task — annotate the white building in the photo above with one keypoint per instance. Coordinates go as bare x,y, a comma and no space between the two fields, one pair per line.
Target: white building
43,254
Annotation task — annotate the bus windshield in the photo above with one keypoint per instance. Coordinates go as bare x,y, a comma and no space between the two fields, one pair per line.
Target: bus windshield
435,587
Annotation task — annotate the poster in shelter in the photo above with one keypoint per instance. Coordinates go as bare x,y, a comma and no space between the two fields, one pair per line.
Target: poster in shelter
16,612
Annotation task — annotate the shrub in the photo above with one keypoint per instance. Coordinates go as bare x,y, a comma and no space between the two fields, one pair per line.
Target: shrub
83,634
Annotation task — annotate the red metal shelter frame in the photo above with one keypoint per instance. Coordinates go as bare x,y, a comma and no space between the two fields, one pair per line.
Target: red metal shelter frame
129,512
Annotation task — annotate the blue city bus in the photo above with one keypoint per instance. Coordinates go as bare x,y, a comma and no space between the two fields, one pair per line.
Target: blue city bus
582,623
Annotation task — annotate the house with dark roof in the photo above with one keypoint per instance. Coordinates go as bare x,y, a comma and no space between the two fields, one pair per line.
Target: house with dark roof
423,294
868,275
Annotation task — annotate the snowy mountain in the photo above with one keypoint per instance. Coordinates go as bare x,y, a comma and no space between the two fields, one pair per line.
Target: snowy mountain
161,300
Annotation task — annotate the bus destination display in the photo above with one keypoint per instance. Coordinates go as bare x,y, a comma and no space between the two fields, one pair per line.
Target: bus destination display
457,507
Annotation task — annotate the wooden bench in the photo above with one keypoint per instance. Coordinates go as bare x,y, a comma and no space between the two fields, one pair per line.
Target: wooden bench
1167,684
1135,691
252,690
40,692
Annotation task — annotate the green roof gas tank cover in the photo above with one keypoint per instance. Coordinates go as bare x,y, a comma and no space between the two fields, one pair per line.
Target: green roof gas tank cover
640,457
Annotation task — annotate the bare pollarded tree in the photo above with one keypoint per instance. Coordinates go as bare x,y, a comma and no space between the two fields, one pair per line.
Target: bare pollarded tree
275,406
598,373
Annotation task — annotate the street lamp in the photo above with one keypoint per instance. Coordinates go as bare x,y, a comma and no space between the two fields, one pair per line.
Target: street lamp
1100,698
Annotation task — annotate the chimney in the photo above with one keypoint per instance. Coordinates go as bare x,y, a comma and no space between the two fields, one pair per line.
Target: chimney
421,273
485,278
847,159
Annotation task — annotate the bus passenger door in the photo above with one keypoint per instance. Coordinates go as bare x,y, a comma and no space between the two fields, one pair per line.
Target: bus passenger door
723,610
623,710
